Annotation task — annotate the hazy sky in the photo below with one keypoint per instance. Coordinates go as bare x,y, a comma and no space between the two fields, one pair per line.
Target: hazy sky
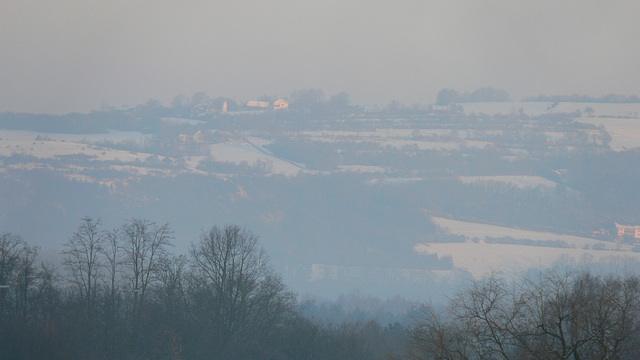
70,55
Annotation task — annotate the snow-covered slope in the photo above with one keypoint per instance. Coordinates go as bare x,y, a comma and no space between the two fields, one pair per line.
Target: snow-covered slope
482,253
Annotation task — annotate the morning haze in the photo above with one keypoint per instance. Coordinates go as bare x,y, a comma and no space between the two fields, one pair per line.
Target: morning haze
63,56
331,180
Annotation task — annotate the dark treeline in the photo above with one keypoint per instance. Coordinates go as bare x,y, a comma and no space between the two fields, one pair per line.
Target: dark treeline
121,294
549,315
486,94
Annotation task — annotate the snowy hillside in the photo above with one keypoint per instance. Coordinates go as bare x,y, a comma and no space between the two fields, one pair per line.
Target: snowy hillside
483,253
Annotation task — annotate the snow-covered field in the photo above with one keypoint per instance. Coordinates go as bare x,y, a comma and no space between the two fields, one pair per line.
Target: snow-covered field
600,109
625,132
622,121
60,145
112,136
183,121
472,230
520,181
54,149
432,145
492,108
362,169
398,138
245,153
538,108
394,180
481,257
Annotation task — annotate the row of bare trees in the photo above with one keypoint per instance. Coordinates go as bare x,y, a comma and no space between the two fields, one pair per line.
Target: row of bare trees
121,294
111,274
97,260
554,315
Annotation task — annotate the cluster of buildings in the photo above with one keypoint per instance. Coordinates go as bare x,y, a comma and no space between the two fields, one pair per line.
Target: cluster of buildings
202,137
628,232
210,107
280,104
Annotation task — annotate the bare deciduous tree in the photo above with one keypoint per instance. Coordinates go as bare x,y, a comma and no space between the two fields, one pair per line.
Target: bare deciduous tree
144,244
434,337
27,274
82,260
171,292
238,291
112,253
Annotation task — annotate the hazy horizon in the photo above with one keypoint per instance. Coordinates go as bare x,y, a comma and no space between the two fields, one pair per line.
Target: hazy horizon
68,55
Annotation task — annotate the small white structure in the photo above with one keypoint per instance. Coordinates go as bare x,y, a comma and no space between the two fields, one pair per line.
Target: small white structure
258,104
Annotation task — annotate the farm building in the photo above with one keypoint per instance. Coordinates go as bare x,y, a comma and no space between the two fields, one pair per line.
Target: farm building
280,104
628,231
257,104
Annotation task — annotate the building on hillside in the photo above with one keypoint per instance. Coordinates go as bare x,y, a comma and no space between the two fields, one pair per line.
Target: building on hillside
280,104
202,110
200,137
628,231
258,104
